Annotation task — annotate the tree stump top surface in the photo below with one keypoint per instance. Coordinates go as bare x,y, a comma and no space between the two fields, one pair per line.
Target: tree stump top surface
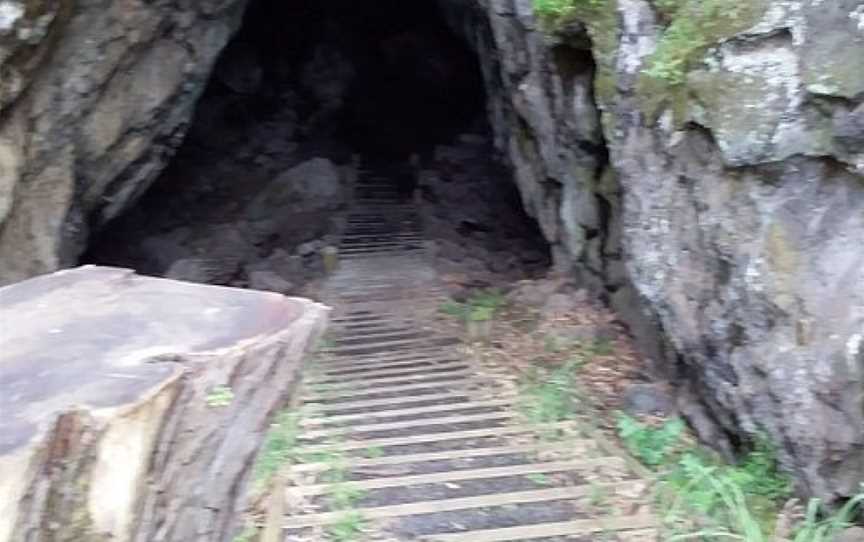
102,338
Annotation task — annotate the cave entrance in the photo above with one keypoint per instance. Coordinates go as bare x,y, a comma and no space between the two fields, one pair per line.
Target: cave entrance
308,96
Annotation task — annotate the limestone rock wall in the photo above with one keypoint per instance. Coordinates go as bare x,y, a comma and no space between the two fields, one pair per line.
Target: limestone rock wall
733,196
95,96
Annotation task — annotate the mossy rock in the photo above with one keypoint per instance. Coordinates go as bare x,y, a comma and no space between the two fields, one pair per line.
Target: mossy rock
694,27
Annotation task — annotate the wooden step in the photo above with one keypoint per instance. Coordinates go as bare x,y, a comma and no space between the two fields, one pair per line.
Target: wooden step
462,503
456,476
431,438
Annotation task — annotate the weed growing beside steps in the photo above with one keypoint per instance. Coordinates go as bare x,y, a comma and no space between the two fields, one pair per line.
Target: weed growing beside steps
742,502
548,397
653,446
735,519
482,305
279,446
349,526
478,312
278,449
342,496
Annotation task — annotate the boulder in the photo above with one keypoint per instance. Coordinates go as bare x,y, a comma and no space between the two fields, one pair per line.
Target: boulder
313,186
214,254
648,399
270,282
133,407
202,270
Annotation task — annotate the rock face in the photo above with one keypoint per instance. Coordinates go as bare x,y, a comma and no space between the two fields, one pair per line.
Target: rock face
94,98
733,193
133,407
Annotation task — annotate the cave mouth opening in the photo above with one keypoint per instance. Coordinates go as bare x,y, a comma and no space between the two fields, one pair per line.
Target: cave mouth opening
374,77
315,94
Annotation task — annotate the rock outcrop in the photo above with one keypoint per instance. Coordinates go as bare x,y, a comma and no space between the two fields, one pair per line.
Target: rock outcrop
732,193
133,407
94,98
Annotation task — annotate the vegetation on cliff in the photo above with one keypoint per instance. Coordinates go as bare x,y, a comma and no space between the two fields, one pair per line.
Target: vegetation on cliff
689,28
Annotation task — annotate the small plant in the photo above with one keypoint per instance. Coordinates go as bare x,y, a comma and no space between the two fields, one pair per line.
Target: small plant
344,496
557,9
552,8
279,446
735,518
817,527
693,26
481,306
248,534
547,398
759,474
480,314
347,528
707,486
220,396
653,446
539,478
453,308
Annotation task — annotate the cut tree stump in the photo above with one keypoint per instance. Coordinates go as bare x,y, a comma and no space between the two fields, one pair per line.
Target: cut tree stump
132,408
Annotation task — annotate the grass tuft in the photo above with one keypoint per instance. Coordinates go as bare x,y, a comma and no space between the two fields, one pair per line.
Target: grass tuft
279,445
481,306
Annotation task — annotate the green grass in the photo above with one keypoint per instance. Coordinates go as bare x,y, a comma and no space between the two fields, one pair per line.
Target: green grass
279,446
693,26
653,446
539,478
743,502
481,306
547,397
347,528
220,396
341,495
557,9
733,517
344,496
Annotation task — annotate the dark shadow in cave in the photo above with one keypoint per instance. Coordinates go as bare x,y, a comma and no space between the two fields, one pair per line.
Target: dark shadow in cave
302,90
380,79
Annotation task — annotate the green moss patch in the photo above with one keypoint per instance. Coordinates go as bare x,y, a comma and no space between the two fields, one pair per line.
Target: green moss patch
693,27
599,17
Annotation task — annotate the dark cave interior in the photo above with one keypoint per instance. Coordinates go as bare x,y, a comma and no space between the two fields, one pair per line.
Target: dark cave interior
375,77
326,91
